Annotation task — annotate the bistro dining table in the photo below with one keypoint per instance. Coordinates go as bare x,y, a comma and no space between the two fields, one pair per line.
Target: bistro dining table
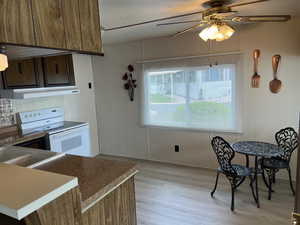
256,149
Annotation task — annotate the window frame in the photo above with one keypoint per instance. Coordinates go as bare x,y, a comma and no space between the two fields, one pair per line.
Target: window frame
236,101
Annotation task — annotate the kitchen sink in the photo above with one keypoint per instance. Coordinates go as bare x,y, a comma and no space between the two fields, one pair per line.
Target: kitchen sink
26,157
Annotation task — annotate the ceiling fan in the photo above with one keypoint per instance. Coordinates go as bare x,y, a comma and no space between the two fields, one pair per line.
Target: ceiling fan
217,16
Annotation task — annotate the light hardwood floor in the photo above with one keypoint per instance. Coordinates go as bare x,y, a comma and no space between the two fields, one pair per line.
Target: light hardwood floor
176,195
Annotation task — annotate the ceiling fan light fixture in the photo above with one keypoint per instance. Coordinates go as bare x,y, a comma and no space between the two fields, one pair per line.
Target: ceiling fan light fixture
227,31
220,37
213,31
204,35
3,59
217,32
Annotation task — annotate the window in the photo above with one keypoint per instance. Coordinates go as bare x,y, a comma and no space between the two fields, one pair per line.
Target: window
201,98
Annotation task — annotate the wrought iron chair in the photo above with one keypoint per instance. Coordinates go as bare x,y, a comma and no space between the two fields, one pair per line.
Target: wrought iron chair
287,140
234,173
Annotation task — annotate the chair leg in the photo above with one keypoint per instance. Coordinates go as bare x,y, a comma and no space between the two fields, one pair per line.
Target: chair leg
232,196
216,184
252,188
291,182
270,173
264,178
274,178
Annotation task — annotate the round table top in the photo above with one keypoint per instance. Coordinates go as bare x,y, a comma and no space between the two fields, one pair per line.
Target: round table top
257,148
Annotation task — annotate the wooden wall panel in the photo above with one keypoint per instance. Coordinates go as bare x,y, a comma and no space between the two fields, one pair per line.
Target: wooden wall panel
65,210
90,25
117,208
16,24
48,23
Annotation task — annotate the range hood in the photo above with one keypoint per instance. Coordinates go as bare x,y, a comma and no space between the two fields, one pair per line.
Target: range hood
29,93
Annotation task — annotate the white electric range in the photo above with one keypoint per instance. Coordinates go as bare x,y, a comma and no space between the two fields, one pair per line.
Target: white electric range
62,136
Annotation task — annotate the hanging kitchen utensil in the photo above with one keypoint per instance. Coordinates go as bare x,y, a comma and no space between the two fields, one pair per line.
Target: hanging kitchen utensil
275,84
255,80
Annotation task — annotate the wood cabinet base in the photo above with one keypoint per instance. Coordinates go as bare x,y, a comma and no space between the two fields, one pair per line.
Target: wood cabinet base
116,208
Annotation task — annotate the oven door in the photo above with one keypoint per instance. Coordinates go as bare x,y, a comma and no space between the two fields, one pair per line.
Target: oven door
74,141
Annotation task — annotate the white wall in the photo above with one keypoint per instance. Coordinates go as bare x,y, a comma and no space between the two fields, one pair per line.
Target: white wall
263,113
118,118
82,107
79,107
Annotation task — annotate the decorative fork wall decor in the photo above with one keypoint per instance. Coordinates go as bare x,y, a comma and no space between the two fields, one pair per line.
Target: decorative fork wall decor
255,80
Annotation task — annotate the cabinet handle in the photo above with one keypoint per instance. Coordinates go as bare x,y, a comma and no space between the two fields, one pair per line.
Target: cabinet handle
56,68
20,68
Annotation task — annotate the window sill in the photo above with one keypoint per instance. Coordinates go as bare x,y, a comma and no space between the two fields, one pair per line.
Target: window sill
238,132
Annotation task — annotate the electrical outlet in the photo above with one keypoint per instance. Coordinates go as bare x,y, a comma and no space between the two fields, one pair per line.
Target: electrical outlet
176,148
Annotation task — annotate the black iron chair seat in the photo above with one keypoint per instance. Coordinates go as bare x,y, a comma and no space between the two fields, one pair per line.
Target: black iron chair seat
274,163
287,140
241,171
234,173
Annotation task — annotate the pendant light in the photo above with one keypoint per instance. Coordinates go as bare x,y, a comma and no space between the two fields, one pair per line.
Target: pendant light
3,59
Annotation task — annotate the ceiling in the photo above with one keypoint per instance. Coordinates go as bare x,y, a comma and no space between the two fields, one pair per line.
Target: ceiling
123,12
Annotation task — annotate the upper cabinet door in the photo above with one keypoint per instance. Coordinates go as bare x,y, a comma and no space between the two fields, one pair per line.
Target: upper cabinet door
21,74
16,22
70,9
49,23
90,25
58,71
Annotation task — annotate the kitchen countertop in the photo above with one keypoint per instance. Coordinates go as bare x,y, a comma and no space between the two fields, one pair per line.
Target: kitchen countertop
17,138
97,177
25,190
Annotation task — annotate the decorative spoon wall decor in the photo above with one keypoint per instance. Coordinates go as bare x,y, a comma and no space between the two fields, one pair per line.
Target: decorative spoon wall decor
255,80
275,84
130,84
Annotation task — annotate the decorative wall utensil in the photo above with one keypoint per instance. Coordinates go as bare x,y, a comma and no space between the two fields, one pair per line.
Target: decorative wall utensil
255,80
275,84
130,84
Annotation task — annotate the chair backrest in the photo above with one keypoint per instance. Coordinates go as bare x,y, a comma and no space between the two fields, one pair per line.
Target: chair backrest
225,154
287,140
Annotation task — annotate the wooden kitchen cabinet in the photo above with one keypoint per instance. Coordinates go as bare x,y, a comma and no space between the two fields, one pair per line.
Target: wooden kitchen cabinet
58,71
72,25
70,10
39,72
16,24
48,23
21,74
90,25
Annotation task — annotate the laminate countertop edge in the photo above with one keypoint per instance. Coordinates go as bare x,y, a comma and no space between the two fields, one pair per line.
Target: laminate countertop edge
26,190
88,203
22,213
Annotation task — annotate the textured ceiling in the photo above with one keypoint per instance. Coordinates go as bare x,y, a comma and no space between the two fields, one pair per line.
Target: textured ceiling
123,12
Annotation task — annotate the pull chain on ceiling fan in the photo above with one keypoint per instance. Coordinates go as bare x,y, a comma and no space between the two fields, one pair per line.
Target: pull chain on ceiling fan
218,18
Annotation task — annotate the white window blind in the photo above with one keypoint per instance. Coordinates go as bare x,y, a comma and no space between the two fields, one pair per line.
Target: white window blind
193,94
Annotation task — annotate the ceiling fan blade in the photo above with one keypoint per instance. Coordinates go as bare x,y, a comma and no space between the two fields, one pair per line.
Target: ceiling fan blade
180,22
150,21
247,3
188,29
259,19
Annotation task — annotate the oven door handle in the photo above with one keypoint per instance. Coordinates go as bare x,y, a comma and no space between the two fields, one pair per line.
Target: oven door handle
71,131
